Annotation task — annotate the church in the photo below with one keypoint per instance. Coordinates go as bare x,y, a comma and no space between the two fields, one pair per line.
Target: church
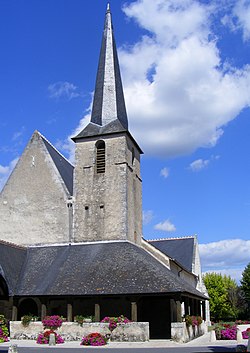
71,239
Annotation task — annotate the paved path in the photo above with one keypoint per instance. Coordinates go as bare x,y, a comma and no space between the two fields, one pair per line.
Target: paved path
200,341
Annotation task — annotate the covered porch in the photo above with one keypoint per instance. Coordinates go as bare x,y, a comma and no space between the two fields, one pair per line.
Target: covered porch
160,310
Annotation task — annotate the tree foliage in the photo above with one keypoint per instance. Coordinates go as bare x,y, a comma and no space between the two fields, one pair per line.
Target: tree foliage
245,282
245,287
223,293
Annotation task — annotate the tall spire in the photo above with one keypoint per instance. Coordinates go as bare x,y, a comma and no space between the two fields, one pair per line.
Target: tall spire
109,104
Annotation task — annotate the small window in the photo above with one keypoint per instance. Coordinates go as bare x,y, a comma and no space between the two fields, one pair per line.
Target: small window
100,157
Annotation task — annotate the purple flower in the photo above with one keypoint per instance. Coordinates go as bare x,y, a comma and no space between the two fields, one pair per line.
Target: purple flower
52,322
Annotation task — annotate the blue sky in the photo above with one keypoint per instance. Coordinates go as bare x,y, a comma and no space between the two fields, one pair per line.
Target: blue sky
186,75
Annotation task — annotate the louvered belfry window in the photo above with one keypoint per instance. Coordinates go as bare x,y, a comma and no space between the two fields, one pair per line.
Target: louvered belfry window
100,157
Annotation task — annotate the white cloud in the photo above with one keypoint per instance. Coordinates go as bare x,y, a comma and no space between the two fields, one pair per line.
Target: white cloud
165,226
242,11
63,90
225,253
179,95
147,216
235,273
229,257
164,172
5,172
198,165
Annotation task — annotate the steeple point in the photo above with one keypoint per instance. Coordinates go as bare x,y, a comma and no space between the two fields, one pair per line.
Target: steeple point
108,111
109,104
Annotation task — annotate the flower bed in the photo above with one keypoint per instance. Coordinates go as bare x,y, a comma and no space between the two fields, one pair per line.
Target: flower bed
246,334
228,330
43,338
225,331
4,332
53,322
193,320
50,323
114,321
94,339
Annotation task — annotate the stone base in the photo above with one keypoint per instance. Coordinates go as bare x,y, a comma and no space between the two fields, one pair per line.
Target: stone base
181,333
72,331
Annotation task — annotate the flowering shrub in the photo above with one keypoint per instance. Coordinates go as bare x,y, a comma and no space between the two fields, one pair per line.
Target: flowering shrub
229,333
43,338
3,321
246,334
52,322
193,320
80,319
26,319
4,332
114,321
94,339
225,331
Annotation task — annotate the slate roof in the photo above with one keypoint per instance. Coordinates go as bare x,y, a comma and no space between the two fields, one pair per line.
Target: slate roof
94,130
65,168
108,101
11,262
109,111
110,268
179,249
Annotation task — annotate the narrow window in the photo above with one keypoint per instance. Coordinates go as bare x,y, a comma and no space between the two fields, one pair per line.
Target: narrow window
133,156
100,157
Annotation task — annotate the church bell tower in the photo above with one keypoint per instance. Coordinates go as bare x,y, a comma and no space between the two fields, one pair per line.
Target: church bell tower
107,182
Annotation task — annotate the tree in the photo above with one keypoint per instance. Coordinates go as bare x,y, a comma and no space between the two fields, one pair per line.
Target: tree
245,285
222,291
245,282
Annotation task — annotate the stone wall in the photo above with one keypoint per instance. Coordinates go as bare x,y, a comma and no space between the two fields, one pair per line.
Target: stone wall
33,203
181,333
72,331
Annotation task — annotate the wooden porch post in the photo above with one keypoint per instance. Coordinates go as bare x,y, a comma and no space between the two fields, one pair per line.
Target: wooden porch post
43,311
178,311
203,310
69,312
14,313
134,311
97,313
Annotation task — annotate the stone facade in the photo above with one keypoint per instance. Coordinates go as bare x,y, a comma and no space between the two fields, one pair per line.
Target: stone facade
108,205
33,203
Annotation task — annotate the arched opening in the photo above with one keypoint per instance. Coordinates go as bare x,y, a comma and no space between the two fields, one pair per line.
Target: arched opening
100,157
26,307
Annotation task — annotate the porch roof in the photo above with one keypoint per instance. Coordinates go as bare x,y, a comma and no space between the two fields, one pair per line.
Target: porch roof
105,268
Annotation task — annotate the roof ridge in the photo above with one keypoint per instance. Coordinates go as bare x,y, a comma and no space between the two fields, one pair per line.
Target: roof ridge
172,238
13,245
44,138
77,243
